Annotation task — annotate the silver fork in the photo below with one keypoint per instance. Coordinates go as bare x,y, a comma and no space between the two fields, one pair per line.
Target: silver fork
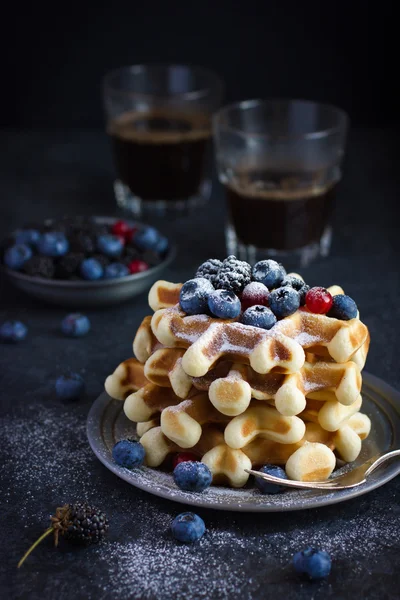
353,478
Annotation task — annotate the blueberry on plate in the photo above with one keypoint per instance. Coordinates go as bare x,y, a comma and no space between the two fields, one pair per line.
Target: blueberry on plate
314,564
91,269
16,256
53,243
188,527
30,237
284,301
259,316
75,325
193,296
268,272
148,238
224,304
343,308
70,386
110,245
192,476
13,331
128,454
267,487
116,270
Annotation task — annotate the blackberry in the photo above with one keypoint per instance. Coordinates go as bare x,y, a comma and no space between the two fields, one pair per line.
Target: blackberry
79,523
209,269
68,265
233,275
130,253
102,259
39,266
82,242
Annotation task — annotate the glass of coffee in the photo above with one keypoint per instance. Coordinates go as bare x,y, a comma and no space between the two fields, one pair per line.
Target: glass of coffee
280,164
159,123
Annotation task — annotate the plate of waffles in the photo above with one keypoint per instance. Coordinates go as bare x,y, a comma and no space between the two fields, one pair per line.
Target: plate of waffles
241,376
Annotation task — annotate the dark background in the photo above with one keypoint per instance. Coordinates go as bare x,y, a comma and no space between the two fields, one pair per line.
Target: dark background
55,54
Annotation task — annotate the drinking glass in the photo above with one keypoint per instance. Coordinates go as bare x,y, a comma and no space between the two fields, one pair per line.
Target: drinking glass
159,124
280,164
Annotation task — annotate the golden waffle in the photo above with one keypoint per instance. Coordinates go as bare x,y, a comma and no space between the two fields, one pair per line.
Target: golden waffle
145,342
164,294
128,377
312,462
164,368
157,446
145,426
148,402
183,422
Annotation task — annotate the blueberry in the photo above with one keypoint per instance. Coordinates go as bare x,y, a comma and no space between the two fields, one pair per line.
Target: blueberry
27,236
192,476
70,386
115,270
110,245
297,284
128,454
266,487
315,564
284,301
91,269
13,331
147,238
162,245
194,295
53,243
259,316
16,256
343,308
268,272
224,304
75,325
188,527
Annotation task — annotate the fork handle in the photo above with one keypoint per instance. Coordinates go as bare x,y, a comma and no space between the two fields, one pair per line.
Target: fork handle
382,460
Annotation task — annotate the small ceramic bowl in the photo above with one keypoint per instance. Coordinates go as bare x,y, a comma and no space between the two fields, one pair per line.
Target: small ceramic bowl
90,294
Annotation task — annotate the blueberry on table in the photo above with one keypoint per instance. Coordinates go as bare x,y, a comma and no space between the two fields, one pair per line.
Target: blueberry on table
268,272
115,270
53,243
314,564
343,308
267,487
284,301
91,269
30,237
16,256
70,386
259,316
188,528
110,245
192,476
13,331
224,304
128,454
75,325
194,294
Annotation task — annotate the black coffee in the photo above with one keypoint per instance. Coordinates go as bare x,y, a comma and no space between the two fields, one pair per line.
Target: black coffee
281,210
161,155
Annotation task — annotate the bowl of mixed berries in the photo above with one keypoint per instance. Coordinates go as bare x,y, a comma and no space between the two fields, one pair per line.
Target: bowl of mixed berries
85,261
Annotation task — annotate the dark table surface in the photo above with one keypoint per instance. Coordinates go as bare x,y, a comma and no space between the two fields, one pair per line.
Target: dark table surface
45,458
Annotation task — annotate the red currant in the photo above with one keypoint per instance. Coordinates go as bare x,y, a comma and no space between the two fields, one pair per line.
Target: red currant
137,266
184,457
254,293
120,228
121,239
319,300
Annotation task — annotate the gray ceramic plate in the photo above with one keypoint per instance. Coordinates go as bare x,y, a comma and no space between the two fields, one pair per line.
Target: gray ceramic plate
107,424
84,294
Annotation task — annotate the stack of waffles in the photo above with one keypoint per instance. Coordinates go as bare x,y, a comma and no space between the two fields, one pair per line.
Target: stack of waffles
240,397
